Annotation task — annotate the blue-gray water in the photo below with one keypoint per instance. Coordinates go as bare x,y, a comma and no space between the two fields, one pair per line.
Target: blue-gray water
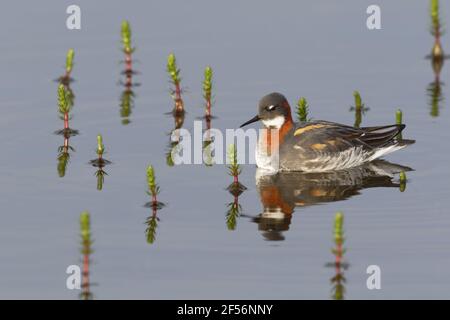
320,50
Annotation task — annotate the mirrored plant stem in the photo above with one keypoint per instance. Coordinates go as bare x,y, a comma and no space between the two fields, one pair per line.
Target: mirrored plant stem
338,280
155,205
86,250
100,163
235,188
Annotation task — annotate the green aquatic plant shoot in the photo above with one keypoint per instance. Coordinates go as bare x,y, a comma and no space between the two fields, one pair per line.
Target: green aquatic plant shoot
302,110
174,74
358,100
436,30
100,146
338,231
126,37
399,117
69,61
207,90
64,104
151,182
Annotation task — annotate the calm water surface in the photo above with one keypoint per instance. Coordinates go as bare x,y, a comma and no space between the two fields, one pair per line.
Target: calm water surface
322,51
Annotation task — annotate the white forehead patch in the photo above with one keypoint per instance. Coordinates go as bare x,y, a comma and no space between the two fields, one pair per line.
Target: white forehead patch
276,122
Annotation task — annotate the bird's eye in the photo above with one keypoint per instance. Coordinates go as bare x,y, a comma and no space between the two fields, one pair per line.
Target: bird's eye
270,108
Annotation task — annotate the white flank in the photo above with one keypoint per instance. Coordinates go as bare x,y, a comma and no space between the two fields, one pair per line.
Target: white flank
384,151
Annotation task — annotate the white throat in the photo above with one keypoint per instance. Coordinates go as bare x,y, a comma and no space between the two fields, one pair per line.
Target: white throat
275,123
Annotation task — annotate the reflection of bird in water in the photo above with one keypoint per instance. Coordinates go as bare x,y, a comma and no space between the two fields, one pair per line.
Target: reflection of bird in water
282,192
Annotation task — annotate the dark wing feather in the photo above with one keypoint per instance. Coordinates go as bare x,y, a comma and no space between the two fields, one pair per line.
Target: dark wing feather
378,137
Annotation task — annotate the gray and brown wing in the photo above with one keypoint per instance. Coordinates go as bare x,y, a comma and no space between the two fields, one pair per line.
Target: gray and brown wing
329,137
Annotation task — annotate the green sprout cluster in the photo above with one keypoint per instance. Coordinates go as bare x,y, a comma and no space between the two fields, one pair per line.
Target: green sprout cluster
173,70
302,110
64,100
151,181
69,61
85,228
339,228
126,37
358,100
399,117
234,169
207,83
100,147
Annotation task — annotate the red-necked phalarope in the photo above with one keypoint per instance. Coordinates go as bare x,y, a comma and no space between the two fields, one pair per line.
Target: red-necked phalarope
317,146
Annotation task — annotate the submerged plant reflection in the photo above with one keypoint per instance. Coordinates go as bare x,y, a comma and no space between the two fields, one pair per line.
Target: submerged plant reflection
338,280
437,57
359,108
235,188
154,205
100,163
65,105
86,251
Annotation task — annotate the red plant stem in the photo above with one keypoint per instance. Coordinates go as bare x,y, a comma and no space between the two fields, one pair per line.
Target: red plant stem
178,100
208,108
66,120
66,76
85,284
177,91
236,179
128,69
338,255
